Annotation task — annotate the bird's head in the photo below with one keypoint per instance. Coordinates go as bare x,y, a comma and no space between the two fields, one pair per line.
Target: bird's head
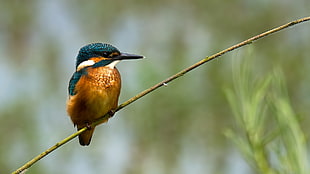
101,54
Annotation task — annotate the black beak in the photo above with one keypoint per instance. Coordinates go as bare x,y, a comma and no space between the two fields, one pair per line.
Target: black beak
127,56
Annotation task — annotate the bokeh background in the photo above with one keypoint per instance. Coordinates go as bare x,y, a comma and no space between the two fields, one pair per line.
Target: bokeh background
176,129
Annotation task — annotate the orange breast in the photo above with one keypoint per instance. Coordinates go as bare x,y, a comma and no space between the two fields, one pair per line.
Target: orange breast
96,94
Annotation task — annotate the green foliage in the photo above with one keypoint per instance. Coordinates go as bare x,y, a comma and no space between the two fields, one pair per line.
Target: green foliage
268,131
177,129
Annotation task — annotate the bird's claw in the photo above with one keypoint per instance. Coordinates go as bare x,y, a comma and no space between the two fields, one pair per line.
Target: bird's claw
88,126
111,113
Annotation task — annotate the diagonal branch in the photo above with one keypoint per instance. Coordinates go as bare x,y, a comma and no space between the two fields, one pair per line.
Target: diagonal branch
160,84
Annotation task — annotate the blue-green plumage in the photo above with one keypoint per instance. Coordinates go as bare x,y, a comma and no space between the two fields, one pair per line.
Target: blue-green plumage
95,50
94,87
78,74
102,63
87,52
74,79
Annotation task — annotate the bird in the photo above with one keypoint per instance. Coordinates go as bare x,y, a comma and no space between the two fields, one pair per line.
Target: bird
94,87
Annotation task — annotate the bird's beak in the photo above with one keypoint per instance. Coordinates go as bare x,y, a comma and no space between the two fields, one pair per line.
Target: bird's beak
128,56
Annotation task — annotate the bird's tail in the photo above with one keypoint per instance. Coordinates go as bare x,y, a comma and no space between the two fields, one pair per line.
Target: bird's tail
85,137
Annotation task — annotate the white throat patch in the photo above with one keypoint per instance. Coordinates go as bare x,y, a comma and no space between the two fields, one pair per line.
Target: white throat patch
85,64
112,65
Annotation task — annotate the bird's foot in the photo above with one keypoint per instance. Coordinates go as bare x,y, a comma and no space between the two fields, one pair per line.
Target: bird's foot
111,113
88,125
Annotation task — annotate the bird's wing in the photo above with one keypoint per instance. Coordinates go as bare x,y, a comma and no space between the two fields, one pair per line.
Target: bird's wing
74,79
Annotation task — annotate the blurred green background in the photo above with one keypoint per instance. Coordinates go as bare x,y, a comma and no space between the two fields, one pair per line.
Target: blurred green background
176,129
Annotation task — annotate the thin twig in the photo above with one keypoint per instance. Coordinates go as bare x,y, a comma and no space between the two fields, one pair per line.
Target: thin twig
162,83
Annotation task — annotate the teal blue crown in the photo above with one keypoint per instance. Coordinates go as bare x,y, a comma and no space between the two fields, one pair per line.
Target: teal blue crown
95,50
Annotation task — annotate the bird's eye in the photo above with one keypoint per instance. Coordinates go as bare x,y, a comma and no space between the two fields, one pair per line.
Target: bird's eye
105,54
101,53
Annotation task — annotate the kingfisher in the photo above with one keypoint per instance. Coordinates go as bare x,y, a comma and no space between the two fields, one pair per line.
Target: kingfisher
95,86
